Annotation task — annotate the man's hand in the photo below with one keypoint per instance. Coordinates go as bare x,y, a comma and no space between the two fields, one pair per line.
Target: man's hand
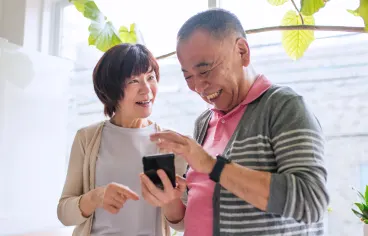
157,197
113,196
197,158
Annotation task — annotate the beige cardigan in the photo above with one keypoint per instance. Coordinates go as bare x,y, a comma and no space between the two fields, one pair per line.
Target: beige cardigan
80,179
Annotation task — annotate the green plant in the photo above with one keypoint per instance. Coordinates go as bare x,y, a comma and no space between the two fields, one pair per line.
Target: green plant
362,206
297,26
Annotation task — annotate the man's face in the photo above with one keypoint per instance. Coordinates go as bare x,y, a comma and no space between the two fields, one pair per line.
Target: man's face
214,68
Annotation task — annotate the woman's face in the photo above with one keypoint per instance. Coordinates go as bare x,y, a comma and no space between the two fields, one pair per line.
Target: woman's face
139,95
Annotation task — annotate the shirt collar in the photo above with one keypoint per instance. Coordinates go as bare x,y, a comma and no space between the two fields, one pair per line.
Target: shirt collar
260,85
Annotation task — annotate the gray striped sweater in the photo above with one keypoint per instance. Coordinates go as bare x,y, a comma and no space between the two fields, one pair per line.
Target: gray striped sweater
279,134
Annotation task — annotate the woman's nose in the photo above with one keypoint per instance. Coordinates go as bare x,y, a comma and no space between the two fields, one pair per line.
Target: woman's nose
145,88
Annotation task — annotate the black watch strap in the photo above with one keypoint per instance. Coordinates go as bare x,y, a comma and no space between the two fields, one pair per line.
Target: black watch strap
217,169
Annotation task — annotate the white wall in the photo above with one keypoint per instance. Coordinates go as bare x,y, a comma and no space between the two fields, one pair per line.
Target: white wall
33,129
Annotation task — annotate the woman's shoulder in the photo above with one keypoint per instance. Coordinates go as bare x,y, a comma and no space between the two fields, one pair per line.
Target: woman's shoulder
88,132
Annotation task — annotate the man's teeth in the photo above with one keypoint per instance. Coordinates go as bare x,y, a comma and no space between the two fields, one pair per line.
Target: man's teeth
214,95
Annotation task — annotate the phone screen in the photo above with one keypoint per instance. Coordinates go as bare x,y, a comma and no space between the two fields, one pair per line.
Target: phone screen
164,162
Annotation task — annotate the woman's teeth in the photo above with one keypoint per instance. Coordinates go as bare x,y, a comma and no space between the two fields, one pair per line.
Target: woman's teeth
144,102
214,95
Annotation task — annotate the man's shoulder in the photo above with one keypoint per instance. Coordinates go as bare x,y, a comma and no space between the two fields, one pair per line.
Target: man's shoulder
203,116
279,94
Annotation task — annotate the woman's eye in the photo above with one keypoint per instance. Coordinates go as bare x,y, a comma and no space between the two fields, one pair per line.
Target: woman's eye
133,81
151,77
203,73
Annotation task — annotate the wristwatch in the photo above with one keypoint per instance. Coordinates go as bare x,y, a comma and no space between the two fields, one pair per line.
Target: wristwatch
217,169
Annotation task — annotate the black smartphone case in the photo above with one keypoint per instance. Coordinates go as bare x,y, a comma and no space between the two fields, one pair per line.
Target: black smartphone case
164,162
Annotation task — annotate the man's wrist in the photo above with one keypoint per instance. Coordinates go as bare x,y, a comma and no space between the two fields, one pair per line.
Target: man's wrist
221,163
208,166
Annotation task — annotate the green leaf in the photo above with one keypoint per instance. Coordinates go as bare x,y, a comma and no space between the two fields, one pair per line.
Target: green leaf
309,7
92,12
362,11
128,36
79,4
296,42
277,2
353,12
359,215
102,35
360,206
89,9
360,195
366,195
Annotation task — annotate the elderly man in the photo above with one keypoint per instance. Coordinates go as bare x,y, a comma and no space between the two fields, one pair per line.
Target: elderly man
256,160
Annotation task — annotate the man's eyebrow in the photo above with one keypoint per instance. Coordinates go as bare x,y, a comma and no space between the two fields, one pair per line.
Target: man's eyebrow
203,64
199,65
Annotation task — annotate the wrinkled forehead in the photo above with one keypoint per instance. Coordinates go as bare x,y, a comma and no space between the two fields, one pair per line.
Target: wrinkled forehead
200,48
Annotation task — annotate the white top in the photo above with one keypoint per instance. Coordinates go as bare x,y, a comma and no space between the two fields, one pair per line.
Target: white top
120,160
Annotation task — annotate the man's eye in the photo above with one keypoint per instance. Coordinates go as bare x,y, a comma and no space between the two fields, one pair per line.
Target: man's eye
188,77
203,73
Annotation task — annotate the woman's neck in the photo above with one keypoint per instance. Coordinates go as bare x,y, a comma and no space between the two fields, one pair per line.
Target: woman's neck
124,122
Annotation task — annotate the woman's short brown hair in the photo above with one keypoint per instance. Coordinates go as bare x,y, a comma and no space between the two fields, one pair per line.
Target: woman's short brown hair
117,65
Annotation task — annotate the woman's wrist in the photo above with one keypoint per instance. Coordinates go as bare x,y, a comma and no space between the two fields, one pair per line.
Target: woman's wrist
89,202
96,197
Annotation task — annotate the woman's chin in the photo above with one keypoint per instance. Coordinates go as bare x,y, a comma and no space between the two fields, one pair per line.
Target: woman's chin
145,114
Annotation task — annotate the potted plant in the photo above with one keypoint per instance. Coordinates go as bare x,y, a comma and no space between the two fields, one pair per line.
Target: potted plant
362,211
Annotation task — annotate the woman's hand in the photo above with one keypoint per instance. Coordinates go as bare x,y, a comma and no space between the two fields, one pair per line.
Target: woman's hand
158,197
113,196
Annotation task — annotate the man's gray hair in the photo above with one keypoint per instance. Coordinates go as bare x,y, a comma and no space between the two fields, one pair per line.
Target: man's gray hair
218,22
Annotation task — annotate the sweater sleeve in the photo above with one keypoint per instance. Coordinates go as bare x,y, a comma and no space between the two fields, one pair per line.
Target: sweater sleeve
298,189
68,210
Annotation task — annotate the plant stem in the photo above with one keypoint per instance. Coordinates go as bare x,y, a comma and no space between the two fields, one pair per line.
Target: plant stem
308,27
300,14
293,27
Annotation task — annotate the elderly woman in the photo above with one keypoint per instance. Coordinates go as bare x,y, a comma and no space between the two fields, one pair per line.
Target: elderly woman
101,195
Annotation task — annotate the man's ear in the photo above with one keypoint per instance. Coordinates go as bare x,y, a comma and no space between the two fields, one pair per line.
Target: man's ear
243,50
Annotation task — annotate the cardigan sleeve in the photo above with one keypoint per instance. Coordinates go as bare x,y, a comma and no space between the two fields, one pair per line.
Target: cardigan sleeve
298,189
68,210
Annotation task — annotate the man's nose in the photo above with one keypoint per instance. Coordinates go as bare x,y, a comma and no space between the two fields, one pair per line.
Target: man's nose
200,85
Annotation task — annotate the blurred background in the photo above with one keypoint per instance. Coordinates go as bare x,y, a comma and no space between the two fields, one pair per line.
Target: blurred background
46,94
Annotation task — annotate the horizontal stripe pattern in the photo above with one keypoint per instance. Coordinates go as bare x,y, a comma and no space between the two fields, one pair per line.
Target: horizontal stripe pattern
297,154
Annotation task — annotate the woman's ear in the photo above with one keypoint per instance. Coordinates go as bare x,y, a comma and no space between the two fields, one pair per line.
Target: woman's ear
243,50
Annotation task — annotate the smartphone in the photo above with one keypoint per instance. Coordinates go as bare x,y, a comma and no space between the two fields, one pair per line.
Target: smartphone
165,162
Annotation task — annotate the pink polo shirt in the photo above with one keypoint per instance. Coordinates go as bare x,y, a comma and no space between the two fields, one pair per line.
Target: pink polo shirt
199,213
